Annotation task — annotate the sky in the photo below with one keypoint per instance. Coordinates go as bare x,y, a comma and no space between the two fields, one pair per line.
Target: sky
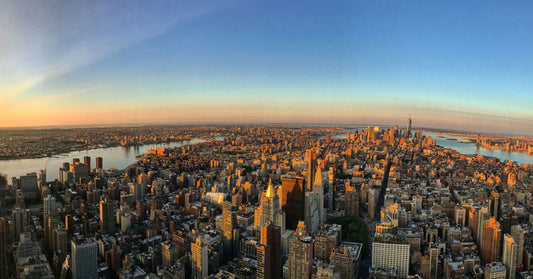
451,64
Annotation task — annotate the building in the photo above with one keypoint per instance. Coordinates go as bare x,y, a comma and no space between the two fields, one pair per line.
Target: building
230,233
495,270
494,204
79,170
21,219
518,233
99,163
84,259
107,215
491,240
391,251
30,262
3,248
345,259
169,253
311,212
269,210
318,190
326,239
49,205
510,255
87,162
269,252
429,263
199,258
137,191
352,197
408,134
311,169
292,199
28,183
65,176
300,253
372,200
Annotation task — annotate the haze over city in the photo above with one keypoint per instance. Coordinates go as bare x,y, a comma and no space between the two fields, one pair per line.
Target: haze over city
450,64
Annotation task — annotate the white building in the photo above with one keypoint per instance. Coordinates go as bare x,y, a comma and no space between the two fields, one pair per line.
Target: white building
391,251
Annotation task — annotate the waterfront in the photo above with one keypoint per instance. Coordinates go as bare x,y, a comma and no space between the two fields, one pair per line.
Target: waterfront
120,157
117,157
469,148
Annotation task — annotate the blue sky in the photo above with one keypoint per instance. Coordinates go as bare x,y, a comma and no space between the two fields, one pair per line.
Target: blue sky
451,64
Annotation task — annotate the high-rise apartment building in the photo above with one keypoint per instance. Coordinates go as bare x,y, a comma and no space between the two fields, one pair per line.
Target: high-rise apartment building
199,258
49,205
84,259
495,270
345,259
87,161
99,163
326,239
510,255
300,253
391,251
518,233
351,200
491,240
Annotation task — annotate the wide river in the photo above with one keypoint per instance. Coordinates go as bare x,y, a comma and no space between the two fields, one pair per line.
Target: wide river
113,157
467,148
471,148
120,157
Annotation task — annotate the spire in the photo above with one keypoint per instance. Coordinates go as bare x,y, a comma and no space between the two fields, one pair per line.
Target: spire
270,189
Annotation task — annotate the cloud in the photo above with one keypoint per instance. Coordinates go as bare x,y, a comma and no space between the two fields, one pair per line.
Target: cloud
43,40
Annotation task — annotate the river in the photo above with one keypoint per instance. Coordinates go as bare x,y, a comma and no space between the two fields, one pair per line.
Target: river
469,148
118,157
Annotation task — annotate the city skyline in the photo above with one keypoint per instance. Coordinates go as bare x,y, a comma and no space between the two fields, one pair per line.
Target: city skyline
452,65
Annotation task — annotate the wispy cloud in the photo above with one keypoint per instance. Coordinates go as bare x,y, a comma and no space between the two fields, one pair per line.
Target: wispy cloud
43,40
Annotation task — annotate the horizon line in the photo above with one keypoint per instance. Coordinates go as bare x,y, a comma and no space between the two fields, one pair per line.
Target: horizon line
145,124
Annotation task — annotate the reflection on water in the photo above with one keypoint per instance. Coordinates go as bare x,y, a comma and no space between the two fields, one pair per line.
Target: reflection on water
471,148
114,157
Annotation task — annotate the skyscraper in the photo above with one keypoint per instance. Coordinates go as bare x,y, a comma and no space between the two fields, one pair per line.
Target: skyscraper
268,252
99,162
49,205
351,201
510,255
408,134
518,233
269,210
491,240
391,251
199,260
229,231
84,259
311,168
300,253
87,162
292,200
494,204
107,215
318,190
